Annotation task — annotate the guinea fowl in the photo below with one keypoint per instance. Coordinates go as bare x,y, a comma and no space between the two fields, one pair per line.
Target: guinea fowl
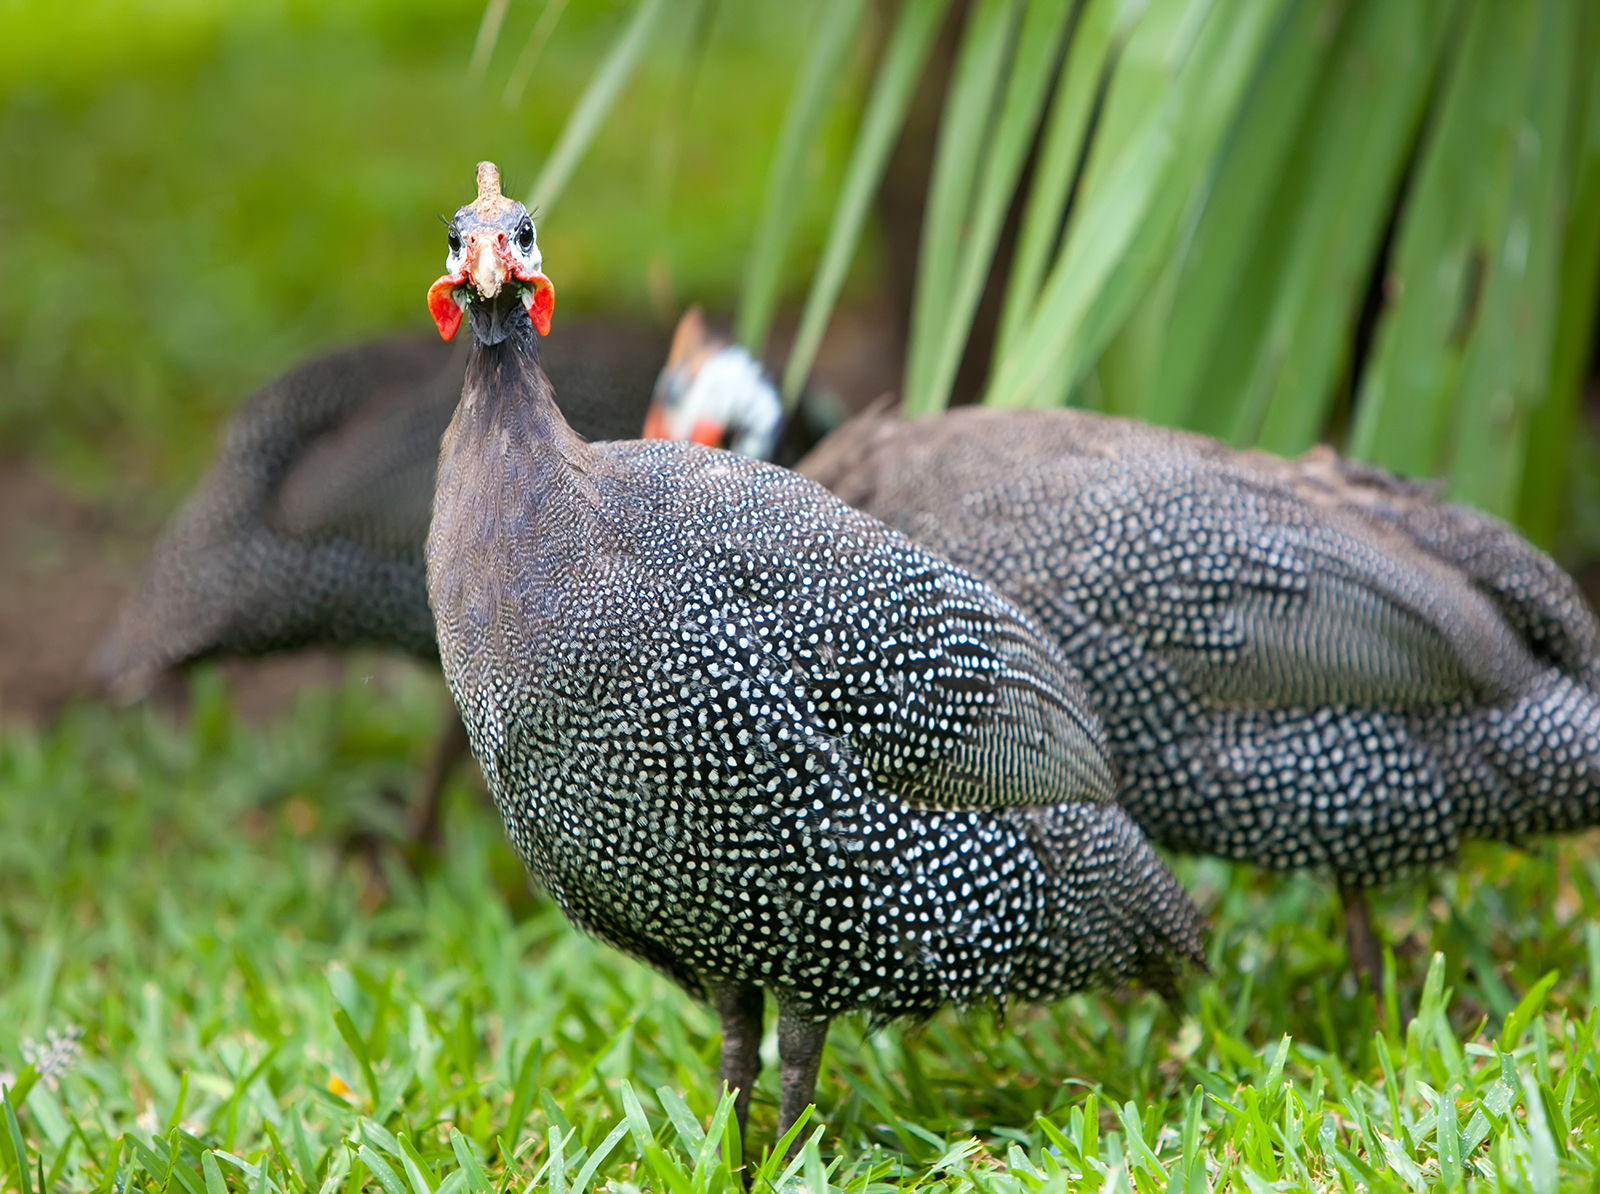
1299,664
750,735
310,527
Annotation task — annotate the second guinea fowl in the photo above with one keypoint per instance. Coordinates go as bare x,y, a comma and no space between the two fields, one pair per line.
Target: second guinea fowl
751,735
1300,664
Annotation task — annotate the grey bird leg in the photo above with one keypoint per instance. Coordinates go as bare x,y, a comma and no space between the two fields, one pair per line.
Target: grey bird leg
800,1041
447,752
1366,955
740,1008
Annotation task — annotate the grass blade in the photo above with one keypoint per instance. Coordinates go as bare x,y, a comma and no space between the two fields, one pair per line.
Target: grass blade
494,16
902,64
598,1157
476,1180
379,1168
522,1096
16,1152
594,105
814,93
538,38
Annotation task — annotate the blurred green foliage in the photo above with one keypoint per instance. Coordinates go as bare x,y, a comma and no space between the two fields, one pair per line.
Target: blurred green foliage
196,195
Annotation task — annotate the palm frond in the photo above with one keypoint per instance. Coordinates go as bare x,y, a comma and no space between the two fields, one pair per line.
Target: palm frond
1230,200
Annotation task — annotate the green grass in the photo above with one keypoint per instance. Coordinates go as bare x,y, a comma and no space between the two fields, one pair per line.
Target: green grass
259,1014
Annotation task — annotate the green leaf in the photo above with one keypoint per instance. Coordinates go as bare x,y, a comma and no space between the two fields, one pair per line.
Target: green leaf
915,26
1100,28
213,1175
1447,1139
1173,95
1506,372
381,1170
948,322
556,1171
418,1172
16,1151
593,106
1542,503
1342,184
494,15
683,1121
522,1096
1544,1168
358,1047
963,131
476,1181
637,1123
538,37
22,1087
814,93
598,1157
1203,316
1445,338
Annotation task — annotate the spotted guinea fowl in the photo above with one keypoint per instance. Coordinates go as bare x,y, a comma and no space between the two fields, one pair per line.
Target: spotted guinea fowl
750,735
1299,664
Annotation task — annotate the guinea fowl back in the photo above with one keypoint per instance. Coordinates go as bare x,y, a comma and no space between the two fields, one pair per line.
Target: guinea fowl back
309,529
1299,663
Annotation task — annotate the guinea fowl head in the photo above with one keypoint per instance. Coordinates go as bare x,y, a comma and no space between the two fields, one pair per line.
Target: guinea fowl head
495,270
714,392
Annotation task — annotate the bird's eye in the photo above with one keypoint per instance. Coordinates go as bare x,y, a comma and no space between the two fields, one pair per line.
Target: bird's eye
525,235
455,241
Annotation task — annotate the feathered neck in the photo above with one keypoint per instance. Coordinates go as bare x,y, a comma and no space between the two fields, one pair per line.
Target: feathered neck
506,387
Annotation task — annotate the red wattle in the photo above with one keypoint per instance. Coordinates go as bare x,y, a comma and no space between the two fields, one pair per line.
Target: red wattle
442,305
542,304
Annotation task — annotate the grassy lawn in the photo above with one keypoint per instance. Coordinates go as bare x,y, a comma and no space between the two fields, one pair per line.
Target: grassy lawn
270,997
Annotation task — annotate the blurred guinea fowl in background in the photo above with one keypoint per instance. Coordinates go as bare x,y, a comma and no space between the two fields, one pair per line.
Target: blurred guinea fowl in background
1303,663
309,529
